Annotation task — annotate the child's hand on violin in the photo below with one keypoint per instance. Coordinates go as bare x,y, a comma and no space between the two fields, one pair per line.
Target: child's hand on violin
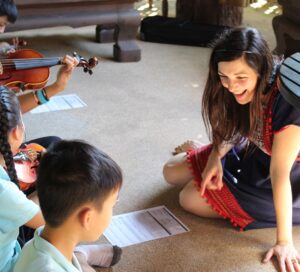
65,72
30,152
6,48
4,44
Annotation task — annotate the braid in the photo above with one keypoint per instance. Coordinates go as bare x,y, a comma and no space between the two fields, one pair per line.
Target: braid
5,127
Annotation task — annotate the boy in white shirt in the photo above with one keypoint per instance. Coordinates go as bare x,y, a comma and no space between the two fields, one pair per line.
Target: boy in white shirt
77,187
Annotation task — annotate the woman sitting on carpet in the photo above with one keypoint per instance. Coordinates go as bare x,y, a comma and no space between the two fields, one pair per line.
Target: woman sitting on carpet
250,173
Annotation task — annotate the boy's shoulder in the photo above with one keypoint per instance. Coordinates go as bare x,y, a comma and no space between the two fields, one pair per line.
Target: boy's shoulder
39,255
32,259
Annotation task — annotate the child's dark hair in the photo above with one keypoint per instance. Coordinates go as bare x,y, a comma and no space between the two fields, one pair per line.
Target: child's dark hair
8,8
72,173
10,117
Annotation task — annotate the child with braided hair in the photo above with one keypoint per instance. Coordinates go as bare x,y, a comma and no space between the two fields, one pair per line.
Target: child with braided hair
15,208
18,211
31,99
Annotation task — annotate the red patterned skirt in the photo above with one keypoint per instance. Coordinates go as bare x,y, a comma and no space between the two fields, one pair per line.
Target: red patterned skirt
222,201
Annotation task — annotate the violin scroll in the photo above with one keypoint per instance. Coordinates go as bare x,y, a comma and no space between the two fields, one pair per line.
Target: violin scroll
87,65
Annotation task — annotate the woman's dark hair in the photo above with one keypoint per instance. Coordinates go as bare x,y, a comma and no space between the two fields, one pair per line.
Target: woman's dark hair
10,117
8,8
225,119
73,173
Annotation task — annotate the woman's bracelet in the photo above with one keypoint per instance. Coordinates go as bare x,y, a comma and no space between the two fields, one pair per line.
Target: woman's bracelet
40,96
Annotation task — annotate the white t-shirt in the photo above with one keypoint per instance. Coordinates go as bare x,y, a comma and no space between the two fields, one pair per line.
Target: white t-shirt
39,255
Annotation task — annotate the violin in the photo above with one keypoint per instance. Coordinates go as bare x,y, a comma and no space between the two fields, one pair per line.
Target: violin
26,162
27,69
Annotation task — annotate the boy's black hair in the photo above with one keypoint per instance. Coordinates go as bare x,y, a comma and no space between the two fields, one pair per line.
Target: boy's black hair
72,173
8,8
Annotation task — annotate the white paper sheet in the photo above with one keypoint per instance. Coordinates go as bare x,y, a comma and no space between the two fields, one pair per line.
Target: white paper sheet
144,225
60,102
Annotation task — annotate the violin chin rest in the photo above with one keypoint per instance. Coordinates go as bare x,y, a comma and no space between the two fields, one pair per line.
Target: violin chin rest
26,172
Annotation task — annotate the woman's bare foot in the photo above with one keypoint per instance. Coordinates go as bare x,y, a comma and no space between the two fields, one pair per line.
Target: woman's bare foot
186,146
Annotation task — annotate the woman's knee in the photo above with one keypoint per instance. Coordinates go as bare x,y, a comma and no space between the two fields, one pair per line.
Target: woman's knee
186,198
176,171
170,173
191,201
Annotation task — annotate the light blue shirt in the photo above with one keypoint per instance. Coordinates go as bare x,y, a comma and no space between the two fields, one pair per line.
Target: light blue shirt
15,210
39,255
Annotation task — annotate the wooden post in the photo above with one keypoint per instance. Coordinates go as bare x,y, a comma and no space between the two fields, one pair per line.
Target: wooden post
209,12
165,8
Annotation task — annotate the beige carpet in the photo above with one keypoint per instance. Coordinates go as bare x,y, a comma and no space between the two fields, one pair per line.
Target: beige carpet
137,112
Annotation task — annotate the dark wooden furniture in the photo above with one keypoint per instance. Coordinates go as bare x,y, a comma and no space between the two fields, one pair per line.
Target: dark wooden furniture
287,28
116,20
213,12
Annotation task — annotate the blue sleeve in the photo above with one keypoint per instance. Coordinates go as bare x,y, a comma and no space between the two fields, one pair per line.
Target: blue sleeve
15,208
284,114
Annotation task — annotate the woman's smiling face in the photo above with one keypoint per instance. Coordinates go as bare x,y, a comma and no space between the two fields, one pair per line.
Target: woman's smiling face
238,78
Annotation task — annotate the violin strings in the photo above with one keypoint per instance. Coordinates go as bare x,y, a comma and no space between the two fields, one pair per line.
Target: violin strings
24,59
28,63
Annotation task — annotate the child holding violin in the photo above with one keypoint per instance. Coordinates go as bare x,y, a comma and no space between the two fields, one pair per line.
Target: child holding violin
16,209
28,101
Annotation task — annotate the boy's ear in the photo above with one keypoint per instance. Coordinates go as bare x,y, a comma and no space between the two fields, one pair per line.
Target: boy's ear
84,217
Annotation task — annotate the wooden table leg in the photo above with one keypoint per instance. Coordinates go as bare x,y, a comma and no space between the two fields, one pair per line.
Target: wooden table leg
165,8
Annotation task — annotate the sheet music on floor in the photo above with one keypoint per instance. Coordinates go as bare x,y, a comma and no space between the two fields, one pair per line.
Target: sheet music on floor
144,225
60,102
